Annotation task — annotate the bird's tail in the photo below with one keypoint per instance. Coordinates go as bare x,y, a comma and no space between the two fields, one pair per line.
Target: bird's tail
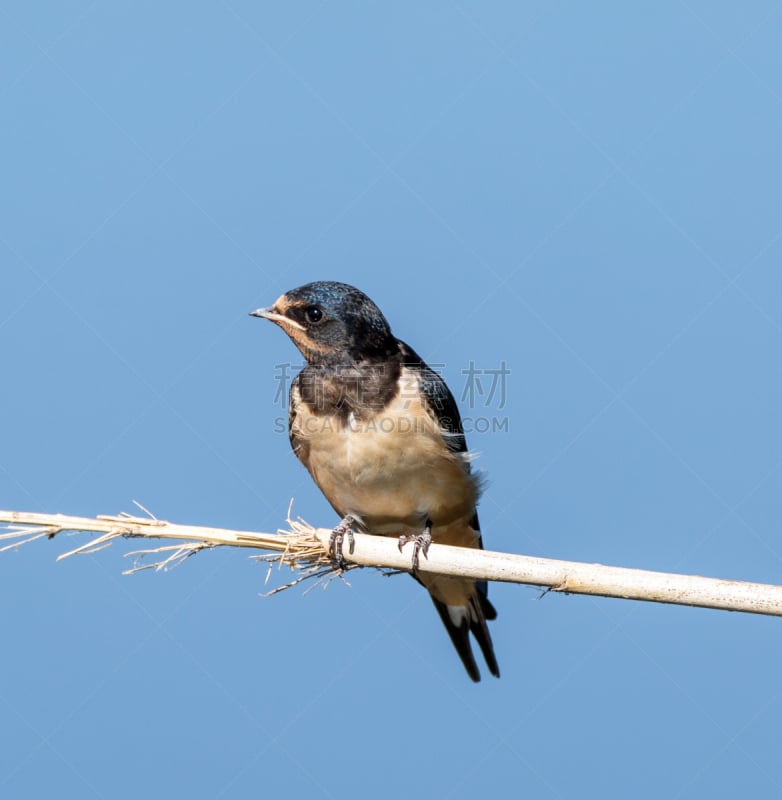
462,620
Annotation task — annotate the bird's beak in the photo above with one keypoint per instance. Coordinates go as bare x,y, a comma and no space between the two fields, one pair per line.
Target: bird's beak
266,313
272,314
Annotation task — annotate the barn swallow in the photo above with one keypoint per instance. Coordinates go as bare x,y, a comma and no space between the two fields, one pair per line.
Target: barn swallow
381,435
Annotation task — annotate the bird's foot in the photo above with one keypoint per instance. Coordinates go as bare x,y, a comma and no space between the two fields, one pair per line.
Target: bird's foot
345,528
421,542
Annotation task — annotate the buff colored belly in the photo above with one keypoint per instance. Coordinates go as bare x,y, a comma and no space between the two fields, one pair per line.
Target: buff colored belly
391,473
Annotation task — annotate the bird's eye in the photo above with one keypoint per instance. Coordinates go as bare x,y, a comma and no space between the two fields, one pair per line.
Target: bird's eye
314,314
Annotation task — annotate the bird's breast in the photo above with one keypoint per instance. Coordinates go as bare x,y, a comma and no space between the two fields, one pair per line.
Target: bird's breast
392,468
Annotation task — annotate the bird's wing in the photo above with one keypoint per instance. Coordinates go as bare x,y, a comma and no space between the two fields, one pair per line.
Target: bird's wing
459,621
439,400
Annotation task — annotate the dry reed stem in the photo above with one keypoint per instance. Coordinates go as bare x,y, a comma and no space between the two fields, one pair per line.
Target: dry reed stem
305,550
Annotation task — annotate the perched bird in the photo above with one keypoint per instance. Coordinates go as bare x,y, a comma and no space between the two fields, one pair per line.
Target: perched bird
380,433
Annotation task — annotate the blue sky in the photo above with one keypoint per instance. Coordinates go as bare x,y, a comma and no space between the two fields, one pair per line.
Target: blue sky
585,193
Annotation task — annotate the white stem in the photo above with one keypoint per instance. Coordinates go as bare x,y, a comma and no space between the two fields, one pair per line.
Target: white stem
380,551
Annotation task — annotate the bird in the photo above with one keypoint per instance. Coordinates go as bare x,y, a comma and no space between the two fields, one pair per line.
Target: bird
380,433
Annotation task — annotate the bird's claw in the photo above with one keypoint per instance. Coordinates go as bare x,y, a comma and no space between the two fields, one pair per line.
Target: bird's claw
421,542
345,528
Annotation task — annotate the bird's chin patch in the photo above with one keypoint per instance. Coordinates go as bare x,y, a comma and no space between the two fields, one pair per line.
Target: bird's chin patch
312,352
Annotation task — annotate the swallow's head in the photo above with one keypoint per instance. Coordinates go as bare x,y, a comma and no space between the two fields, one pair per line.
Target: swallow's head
331,322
